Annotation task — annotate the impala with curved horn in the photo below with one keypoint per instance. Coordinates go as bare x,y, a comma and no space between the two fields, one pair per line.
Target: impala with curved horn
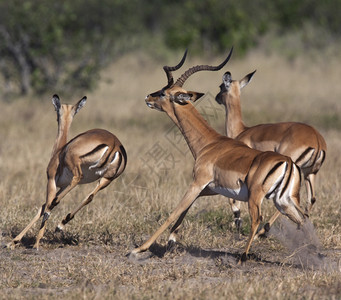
93,155
223,165
301,142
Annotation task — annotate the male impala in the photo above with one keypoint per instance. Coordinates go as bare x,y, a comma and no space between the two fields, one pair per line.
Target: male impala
223,165
301,142
92,155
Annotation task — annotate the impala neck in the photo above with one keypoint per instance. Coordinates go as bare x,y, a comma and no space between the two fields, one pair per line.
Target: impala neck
234,122
63,131
194,127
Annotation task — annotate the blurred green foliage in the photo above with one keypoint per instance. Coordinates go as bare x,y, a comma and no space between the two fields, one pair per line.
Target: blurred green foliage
62,45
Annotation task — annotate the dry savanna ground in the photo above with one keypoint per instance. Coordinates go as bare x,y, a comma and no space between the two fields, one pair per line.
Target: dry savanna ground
89,260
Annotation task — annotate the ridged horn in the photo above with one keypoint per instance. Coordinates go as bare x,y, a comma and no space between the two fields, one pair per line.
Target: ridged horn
169,70
181,80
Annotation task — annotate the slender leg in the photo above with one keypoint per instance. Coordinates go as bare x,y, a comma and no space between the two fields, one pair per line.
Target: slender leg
256,218
50,194
267,226
18,238
235,206
174,231
102,183
53,201
51,204
190,196
310,188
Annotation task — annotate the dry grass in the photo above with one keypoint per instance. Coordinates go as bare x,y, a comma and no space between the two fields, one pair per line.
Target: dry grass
89,259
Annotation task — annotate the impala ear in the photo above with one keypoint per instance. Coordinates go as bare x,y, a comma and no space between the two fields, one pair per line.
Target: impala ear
243,82
227,79
56,102
183,98
195,95
79,105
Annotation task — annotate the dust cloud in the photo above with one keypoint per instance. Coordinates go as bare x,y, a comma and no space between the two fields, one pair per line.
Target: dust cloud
303,245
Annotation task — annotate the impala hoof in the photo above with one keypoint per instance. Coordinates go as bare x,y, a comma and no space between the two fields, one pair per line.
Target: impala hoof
267,227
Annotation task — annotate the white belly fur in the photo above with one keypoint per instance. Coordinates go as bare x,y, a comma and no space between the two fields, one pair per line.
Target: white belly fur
241,194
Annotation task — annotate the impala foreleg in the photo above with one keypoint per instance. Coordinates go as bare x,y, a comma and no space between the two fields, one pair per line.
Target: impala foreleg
50,204
102,183
190,196
174,231
18,238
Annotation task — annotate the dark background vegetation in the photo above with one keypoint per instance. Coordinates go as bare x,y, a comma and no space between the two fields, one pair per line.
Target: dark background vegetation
64,44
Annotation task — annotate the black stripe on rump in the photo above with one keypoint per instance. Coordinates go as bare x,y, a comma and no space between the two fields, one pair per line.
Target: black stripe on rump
288,181
272,171
98,148
323,154
269,174
305,152
124,153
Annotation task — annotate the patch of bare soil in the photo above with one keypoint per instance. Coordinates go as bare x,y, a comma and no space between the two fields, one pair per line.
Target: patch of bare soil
69,270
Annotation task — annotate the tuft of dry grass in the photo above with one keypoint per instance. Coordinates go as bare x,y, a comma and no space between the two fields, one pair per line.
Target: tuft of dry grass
89,259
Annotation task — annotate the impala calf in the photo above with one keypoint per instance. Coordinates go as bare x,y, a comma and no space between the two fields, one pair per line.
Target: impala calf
301,142
223,165
92,155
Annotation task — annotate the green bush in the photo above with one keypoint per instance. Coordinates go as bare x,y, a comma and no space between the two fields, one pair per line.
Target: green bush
63,45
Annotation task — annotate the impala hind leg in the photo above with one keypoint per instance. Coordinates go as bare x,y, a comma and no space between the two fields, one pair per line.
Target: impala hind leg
102,183
190,196
268,225
235,206
310,188
256,218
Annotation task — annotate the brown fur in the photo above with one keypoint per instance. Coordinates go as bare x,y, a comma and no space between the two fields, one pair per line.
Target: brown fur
81,160
301,142
224,163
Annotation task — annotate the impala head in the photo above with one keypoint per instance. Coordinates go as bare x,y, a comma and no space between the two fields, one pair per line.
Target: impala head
67,109
230,89
173,92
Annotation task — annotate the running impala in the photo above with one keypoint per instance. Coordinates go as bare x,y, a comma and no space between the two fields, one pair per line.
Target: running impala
301,142
223,165
92,155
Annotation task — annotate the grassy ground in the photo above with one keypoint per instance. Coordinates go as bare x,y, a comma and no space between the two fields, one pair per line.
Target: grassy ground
89,259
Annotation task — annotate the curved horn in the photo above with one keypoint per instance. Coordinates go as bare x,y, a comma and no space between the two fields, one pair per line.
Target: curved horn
181,80
169,70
